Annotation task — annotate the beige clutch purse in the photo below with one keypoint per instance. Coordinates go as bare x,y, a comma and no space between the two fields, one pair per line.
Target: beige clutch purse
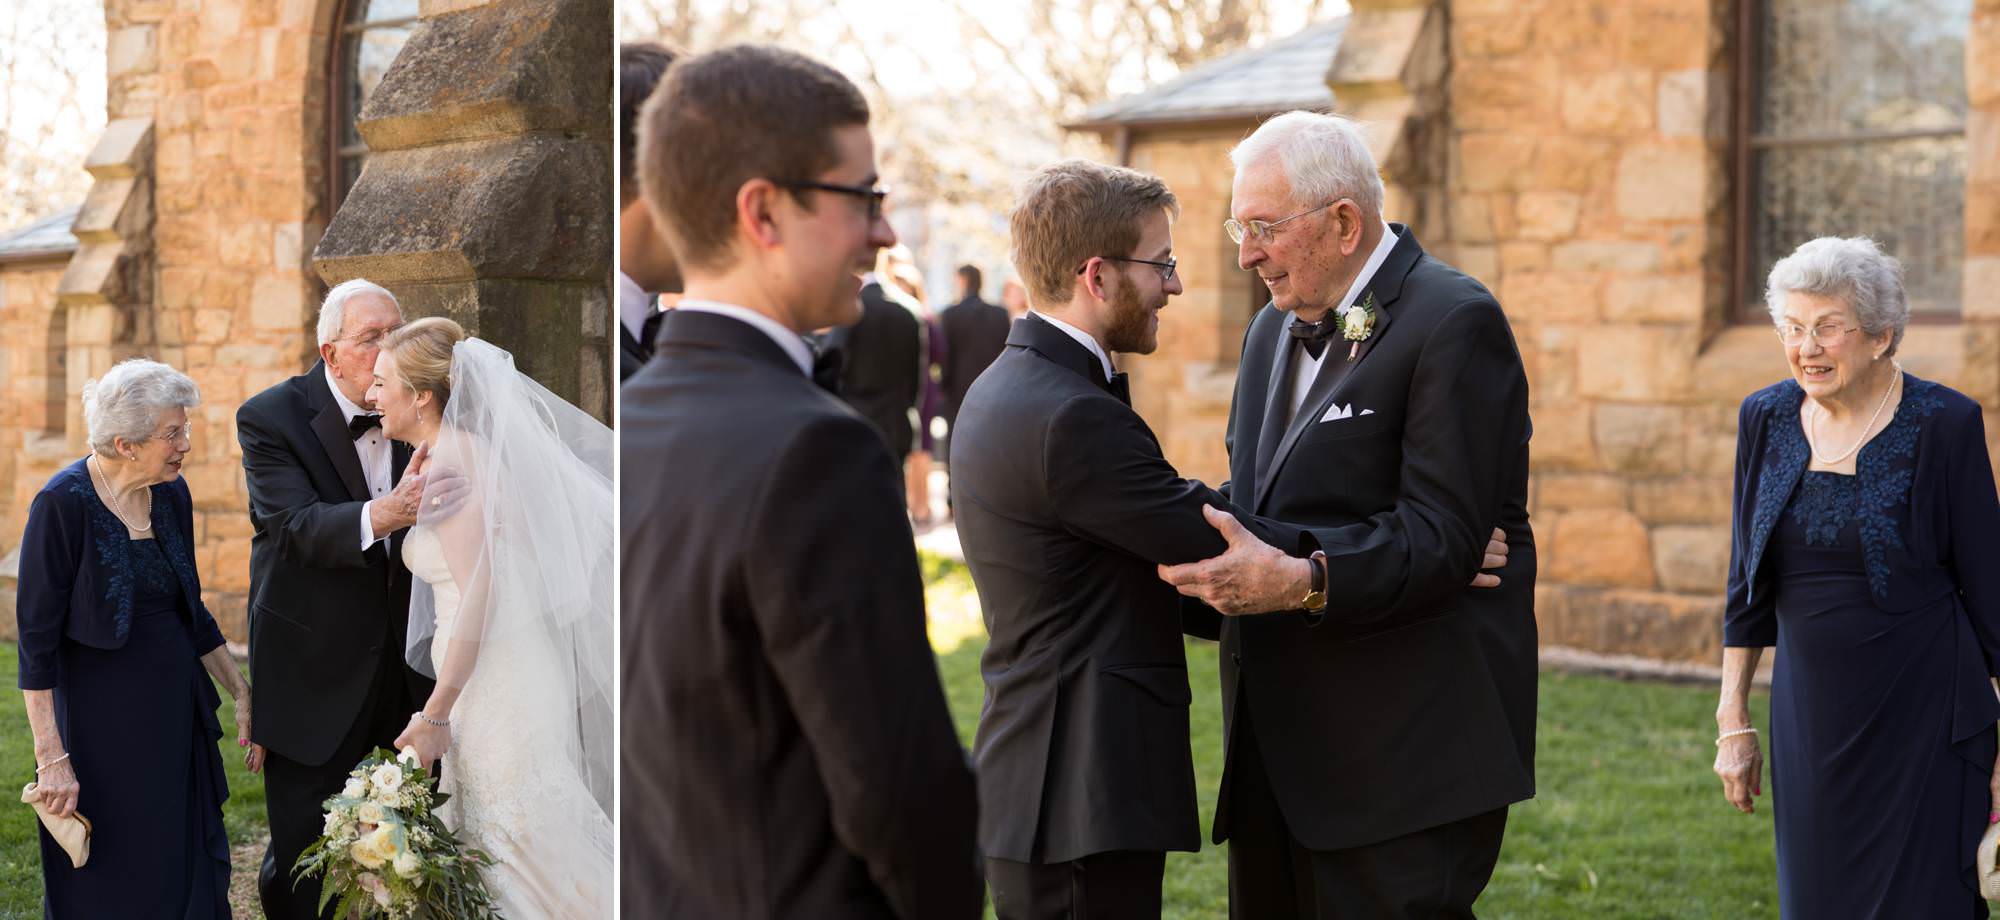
1989,881
73,833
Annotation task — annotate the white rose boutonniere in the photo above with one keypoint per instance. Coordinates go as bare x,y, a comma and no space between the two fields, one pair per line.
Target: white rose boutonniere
1358,323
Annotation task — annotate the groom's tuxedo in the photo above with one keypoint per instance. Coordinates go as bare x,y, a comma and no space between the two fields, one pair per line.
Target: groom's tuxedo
326,617
1065,507
786,751
1410,705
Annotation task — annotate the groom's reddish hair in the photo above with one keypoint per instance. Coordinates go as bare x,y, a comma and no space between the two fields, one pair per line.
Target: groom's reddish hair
729,116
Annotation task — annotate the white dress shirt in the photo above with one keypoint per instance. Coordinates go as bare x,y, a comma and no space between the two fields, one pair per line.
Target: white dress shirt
377,466
1306,370
1083,338
634,306
793,344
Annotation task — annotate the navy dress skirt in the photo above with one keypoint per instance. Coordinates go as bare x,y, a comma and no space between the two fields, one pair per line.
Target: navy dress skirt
139,723
1876,810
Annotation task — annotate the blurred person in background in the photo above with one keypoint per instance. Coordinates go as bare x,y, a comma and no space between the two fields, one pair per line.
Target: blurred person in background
646,266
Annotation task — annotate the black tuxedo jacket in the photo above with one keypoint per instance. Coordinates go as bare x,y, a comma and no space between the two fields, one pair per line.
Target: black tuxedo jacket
786,747
1411,701
635,351
1065,506
974,333
882,367
323,613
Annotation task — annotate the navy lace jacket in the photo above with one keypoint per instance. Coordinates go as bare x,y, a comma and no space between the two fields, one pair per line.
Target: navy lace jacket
1930,520
76,572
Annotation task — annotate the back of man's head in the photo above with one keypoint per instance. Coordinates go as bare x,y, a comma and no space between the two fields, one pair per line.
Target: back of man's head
970,281
729,116
1072,210
641,65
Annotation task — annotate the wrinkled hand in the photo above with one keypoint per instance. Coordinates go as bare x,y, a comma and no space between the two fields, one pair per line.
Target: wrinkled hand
1251,576
1495,558
429,741
1740,764
253,758
1993,788
58,788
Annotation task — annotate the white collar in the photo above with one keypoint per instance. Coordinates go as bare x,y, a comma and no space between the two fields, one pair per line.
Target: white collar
347,406
633,305
1383,247
791,342
1081,337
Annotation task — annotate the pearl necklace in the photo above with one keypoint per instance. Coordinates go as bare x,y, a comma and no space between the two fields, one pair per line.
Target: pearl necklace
1813,434
110,495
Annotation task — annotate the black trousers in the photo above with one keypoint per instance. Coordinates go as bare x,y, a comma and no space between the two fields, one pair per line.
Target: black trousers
294,793
1120,885
1432,873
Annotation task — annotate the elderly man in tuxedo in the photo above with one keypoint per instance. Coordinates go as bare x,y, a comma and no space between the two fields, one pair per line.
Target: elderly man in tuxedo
329,597
1381,404
787,751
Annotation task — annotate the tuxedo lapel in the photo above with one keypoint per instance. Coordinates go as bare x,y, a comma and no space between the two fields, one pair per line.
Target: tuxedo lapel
1277,398
329,424
1385,287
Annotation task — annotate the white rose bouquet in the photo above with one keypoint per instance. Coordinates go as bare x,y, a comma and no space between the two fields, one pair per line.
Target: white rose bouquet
385,853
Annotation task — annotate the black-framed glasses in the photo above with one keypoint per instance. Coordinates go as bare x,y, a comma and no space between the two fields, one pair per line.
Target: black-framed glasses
876,195
1166,268
1261,230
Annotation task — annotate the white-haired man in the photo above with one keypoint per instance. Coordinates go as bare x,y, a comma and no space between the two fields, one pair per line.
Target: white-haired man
329,596
1373,748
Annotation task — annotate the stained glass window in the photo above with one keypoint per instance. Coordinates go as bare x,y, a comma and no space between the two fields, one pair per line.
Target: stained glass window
1859,130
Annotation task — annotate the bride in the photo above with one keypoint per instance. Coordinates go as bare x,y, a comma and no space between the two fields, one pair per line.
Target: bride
511,612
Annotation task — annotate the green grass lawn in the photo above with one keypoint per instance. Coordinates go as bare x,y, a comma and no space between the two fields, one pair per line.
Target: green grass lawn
21,858
1629,820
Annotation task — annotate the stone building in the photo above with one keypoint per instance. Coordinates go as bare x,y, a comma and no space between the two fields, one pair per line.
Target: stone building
258,151
1622,175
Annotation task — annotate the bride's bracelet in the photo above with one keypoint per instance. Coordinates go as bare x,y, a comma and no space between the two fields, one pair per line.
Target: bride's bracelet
1733,733
441,723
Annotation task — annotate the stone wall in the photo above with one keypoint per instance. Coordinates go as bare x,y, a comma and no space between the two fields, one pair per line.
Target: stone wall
33,390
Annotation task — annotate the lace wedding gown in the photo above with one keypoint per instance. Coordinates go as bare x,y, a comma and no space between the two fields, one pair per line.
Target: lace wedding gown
513,794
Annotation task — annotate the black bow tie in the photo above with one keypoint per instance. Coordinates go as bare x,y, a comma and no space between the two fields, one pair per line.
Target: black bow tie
1314,335
826,370
359,425
1121,387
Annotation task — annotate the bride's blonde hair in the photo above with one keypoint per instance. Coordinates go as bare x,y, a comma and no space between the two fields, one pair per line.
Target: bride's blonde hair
422,350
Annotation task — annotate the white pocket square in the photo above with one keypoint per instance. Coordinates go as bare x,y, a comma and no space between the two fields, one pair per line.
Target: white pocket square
1336,412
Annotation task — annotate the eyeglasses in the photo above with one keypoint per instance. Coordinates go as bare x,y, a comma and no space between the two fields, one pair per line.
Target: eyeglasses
1166,268
1826,335
176,433
369,338
1262,231
875,195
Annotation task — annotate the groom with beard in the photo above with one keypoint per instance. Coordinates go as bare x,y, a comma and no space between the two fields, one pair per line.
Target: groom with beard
329,597
1065,505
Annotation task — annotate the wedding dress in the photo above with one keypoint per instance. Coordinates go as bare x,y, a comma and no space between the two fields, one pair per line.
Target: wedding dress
512,606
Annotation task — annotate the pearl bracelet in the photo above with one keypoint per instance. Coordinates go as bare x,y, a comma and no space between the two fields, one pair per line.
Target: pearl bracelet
43,766
446,723
1733,733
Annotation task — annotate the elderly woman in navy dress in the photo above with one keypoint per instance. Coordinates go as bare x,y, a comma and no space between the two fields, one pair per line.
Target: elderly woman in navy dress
113,641
1867,550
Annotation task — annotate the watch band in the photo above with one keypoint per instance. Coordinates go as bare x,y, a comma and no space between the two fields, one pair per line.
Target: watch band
1318,560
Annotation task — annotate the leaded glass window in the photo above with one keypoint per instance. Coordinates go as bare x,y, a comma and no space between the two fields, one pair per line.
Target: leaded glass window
1859,115
371,33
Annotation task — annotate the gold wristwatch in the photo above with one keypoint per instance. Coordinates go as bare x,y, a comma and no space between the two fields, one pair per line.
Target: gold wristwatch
1315,600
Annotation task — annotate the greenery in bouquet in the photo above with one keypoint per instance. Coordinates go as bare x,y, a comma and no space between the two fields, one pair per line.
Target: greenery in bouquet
385,853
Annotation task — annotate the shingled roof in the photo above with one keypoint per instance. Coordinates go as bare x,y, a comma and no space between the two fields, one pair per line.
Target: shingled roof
1278,77
41,239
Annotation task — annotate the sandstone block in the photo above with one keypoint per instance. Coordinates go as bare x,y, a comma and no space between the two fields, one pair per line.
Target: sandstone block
1383,40
1580,491
1692,559
1682,499
1562,438
1606,255
123,149
1982,59
1495,162
1604,547
1472,219
1636,363
1641,440
526,207
1647,624
1668,35
1547,215
1982,286
1490,36
502,69
278,303
133,49
1615,103
1658,182
1523,257
1654,299
212,326
1683,104
1554,296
